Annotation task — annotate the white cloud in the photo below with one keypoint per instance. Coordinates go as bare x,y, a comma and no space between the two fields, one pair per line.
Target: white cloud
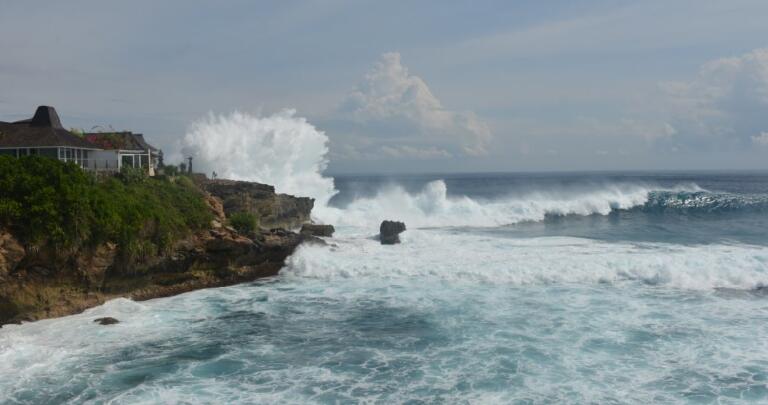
398,115
761,139
728,99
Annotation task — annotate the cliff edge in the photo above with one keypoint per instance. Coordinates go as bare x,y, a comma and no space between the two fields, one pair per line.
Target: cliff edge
42,281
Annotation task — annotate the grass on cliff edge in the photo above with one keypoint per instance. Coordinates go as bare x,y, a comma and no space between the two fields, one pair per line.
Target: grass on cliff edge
47,202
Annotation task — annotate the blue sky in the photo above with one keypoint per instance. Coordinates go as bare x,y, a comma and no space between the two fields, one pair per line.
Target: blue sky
414,86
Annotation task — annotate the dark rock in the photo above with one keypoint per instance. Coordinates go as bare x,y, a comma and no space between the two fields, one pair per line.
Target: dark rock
389,231
273,210
107,320
317,230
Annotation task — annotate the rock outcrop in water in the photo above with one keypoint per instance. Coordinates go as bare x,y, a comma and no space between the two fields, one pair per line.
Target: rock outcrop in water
107,320
325,231
42,282
389,232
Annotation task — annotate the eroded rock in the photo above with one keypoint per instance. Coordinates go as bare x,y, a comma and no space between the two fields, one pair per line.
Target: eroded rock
107,320
389,232
273,210
325,231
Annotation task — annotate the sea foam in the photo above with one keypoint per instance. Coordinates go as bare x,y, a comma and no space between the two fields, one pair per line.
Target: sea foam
459,257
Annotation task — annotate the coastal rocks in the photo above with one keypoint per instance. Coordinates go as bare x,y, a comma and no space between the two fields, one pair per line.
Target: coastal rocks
43,282
317,230
389,231
273,210
11,253
107,320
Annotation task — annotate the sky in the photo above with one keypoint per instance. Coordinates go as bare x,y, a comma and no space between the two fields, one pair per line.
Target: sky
413,86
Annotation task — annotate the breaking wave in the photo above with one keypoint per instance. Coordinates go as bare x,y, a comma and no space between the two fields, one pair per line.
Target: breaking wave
281,149
288,152
433,207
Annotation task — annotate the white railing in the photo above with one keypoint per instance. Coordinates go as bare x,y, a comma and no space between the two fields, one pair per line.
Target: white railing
98,165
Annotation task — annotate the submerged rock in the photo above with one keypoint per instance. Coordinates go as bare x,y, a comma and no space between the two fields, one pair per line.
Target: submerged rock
317,230
389,231
107,320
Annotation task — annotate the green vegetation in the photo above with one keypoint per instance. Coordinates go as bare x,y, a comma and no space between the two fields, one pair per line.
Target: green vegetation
44,201
244,222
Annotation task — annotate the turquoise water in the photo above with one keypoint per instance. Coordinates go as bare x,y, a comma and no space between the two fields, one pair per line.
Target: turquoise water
506,289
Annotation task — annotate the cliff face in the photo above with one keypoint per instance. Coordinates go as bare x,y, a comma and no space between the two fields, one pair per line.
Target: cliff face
37,283
275,210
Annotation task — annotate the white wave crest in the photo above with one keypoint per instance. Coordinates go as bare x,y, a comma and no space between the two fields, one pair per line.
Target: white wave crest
281,149
432,207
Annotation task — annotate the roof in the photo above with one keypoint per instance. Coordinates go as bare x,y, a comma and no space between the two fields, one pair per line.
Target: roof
44,129
125,140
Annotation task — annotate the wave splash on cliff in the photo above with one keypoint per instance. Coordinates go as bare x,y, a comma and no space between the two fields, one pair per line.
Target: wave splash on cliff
433,207
280,149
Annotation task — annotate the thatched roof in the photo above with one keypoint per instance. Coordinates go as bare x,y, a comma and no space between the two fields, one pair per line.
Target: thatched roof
44,129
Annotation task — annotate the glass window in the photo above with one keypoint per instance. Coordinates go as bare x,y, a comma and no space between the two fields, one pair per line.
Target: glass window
127,160
49,152
7,152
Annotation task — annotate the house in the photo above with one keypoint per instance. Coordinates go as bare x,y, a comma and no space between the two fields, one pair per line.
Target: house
125,148
44,135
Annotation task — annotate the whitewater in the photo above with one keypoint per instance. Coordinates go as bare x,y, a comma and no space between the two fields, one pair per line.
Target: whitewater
506,288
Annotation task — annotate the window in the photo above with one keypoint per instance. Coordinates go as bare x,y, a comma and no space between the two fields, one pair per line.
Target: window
127,160
49,152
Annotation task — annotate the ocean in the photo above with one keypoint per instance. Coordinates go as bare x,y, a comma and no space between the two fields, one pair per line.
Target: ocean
605,288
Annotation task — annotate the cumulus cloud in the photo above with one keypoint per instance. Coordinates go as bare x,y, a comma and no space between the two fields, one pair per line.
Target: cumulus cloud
761,139
395,113
727,101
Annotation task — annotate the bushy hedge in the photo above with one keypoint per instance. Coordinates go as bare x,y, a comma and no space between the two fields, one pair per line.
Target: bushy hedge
244,222
44,201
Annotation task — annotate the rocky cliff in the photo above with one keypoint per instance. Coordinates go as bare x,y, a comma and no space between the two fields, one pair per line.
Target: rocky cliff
274,210
40,282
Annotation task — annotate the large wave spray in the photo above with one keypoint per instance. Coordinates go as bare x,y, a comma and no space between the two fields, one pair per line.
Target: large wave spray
281,149
288,152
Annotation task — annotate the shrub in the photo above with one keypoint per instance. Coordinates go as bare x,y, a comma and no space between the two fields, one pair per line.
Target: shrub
133,174
244,222
171,170
45,201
